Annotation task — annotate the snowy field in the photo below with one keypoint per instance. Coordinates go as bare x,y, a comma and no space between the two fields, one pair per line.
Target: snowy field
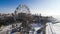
57,28
53,28
50,29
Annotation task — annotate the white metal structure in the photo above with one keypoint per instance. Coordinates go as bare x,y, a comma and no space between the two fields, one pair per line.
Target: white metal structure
22,8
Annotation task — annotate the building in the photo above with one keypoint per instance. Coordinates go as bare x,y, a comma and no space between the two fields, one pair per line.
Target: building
22,8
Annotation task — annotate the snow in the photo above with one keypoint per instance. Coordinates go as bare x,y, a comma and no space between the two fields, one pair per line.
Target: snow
50,29
57,28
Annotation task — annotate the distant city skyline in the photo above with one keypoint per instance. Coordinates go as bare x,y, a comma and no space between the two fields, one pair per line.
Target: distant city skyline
45,7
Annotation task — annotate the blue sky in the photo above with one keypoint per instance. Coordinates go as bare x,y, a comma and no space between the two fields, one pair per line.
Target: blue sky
46,7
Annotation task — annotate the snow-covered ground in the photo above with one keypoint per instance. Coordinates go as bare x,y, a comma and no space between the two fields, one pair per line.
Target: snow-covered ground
7,29
50,29
53,28
57,28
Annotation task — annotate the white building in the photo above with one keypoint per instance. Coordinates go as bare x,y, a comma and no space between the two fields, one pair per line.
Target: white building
22,8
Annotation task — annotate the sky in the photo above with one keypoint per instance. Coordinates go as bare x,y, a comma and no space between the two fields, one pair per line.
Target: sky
45,7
